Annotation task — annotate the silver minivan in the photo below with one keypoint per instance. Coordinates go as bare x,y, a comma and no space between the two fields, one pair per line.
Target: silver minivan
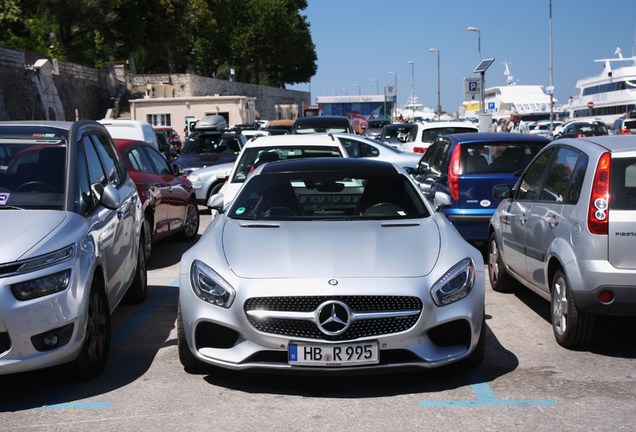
567,231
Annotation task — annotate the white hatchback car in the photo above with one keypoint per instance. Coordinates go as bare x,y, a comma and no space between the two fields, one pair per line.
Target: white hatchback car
278,147
424,134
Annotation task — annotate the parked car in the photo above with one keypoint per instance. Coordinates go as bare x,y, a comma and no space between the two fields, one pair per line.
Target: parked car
396,134
567,231
542,128
131,129
72,230
625,126
208,148
285,124
373,127
583,128
363,147
168,200
315,124
465,167
300,274
209,180
278,147
422,135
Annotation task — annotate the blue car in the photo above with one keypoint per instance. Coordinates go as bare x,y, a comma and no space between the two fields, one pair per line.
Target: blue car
458,173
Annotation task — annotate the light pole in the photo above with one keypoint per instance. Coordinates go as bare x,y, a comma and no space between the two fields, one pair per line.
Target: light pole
346,91
377,85
412,63
476,30
359,91
395,93
439,103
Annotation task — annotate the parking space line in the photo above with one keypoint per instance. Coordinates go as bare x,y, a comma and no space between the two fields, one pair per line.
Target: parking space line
486,397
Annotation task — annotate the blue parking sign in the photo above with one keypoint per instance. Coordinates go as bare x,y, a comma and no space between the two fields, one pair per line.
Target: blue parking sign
491,105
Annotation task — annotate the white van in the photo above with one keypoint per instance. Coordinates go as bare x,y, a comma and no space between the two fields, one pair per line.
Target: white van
131,129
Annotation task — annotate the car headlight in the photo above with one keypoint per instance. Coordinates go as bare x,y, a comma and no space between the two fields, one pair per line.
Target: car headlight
455,284
61,255
209,286
43,286
193,178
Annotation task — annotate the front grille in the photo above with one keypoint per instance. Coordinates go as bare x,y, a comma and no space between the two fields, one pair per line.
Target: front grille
392,320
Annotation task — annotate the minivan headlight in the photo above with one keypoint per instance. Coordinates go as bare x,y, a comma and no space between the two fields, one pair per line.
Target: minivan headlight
209,286
455,284
42,286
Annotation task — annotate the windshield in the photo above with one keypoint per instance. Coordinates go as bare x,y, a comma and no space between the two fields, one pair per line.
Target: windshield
255,156
32,173
484,157
331,195
211,143
430,135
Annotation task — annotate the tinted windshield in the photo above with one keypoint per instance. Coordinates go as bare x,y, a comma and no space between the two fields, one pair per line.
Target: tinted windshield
430,135
315,195
32,172
393,132
255,156
211,143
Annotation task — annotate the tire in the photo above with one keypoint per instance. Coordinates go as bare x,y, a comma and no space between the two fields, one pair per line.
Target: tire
147,234
188,360
139,288
215,189
572,328
500,280
96,346
191,222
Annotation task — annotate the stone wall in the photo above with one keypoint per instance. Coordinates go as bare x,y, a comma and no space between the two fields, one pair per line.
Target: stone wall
64,91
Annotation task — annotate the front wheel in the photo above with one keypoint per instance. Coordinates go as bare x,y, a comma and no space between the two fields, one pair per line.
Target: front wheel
572,327
96,347
191,222
500,280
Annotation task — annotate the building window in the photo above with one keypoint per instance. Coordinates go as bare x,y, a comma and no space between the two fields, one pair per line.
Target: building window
159,119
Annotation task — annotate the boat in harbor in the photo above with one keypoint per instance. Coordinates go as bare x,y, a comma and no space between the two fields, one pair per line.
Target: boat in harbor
609,95
413,110
532,102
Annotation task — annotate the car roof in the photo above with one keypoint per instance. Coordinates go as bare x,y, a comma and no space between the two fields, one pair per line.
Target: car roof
614,143
319,120
442,124
377,167
292,140
496,137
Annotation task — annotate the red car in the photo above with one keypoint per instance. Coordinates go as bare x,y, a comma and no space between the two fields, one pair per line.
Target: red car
168,200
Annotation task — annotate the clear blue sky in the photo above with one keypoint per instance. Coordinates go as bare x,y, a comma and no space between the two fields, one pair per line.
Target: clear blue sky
361,40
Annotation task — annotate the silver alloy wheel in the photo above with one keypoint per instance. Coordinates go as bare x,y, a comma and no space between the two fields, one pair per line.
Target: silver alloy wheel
191,224
493,260
559,305
96,328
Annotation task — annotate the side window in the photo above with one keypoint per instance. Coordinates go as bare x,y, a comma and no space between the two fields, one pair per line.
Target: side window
367,150
96,176
109,160
559,175
159,163
351,147
529,185
85,199
437,159
139,160
577,180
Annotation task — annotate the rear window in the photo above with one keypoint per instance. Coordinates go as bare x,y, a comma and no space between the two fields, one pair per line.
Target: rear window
623,184
498,157
430,135
630,124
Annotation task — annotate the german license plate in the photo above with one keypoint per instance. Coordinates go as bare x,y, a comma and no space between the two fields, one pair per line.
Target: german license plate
349,354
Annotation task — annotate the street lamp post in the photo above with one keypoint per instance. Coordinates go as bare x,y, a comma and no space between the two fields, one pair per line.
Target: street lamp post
359,91
395,93
439,103
412,102
377,85
481,99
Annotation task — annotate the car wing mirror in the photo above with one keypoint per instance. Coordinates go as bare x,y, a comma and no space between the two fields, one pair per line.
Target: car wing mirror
215,202
110,197
441,200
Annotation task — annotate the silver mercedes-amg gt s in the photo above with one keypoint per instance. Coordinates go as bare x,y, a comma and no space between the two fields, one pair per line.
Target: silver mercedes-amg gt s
330,264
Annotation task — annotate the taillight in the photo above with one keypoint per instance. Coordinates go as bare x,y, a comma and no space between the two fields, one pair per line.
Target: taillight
419,149
581,135
598,212
453,174
625,131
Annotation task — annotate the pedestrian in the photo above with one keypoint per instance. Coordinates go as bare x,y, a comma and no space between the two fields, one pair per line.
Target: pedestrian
515,124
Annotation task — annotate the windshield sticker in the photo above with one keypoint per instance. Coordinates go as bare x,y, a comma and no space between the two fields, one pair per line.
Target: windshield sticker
240,210
4,198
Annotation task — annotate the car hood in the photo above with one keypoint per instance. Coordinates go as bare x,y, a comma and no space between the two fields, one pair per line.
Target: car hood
21,230
311,249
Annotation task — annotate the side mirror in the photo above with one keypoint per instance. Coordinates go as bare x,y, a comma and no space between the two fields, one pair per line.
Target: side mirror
501,191
441,200
110,197
215,202
177,170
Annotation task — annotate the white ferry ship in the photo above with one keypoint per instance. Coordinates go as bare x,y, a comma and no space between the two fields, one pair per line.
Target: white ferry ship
531,101
609,95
